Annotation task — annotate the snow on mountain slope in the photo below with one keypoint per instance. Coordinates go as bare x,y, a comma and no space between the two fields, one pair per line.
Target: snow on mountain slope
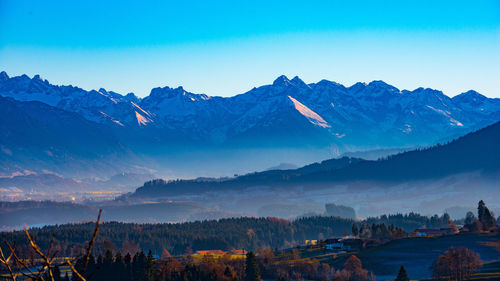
474,101
364,116
312,116
99,106
36,136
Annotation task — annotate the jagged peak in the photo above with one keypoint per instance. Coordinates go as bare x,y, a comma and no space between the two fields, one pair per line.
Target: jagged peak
282,80
422,90
39,80
328,82
379,83
383,85
470,95
297,82
296,79
132,96
4,76
167,92
357,87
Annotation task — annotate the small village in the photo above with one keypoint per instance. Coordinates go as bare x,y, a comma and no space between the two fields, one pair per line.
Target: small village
350,244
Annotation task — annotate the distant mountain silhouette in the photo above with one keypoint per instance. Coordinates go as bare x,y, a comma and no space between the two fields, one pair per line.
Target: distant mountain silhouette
475,152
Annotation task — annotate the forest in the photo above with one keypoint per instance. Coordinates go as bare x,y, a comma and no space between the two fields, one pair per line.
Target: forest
224,234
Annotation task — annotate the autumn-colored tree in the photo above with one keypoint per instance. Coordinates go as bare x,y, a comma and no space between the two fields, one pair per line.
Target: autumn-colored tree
476,226
353,270
456,264
265,258
130,247
326,272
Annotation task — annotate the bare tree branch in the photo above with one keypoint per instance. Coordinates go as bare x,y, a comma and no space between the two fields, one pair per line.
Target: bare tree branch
6,261
20,262
75,271
47,258
91,243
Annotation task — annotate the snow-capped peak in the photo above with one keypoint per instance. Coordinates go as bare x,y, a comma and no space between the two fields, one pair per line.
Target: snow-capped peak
470,95
297,82
281,81
4,76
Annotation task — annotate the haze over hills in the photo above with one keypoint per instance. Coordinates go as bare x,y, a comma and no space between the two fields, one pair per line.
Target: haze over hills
174,132
455,172
474,152
428,181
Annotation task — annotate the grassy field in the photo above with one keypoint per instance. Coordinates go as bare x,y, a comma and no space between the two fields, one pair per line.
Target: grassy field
418,254
489,271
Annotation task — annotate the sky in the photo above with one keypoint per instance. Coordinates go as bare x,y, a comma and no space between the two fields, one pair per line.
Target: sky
228,47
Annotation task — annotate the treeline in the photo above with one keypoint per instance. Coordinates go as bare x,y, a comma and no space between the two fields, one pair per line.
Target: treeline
378,231
224,234
411,221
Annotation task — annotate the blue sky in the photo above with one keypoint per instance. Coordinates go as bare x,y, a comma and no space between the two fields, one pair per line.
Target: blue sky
228,47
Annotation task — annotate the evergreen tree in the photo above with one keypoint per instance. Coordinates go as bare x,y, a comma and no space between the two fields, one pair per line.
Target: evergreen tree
489,219
127,260
402,275
139,265
56,273
108,258
150,267
484,215
355,230
469,218
252,272
119,269
480,210
445,219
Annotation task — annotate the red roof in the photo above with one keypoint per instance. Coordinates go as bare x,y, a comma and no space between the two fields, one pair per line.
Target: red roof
210,252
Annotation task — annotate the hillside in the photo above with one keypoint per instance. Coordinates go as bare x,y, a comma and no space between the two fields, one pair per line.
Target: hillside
36,136
475,152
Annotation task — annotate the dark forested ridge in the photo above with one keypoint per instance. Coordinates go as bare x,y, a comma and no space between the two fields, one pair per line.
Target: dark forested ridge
477,151
224,234
14,215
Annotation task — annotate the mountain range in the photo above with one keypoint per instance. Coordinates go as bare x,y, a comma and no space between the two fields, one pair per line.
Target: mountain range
71,131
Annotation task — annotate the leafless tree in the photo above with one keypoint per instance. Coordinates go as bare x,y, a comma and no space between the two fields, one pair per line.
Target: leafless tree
17,266
456,264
